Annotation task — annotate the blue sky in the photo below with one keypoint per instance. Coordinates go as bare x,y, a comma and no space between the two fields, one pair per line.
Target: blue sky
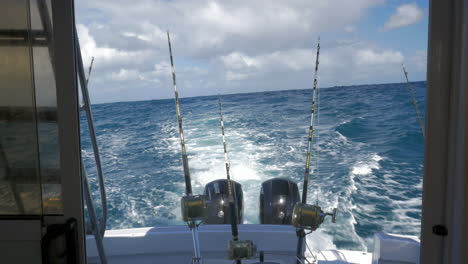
247,46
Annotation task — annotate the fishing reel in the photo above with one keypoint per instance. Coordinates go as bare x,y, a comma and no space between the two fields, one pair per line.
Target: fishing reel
241,249
310,217
193,208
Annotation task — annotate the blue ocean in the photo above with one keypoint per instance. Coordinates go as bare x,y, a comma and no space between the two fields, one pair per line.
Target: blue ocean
367,159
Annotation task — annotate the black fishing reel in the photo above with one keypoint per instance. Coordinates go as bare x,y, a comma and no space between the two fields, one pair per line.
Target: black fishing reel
310,217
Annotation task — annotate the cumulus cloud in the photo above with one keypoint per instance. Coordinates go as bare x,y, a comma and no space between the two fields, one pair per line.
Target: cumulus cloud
104,54
372,57
405,15
340,63
349,29
238,46
419,60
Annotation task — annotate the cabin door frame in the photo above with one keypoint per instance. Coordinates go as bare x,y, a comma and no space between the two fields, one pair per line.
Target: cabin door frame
444,227
23,236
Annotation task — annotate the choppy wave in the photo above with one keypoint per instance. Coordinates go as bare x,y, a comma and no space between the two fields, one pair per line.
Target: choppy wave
367,160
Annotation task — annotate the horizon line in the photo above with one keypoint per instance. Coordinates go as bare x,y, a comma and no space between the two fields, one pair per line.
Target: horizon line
196,96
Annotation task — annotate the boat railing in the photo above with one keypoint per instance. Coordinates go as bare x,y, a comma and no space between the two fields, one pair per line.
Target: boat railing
98,227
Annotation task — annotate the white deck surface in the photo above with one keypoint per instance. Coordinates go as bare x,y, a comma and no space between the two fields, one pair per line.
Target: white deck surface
344,256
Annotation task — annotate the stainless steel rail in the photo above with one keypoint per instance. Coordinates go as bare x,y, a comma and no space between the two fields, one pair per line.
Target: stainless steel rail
92,131
98,227
93,218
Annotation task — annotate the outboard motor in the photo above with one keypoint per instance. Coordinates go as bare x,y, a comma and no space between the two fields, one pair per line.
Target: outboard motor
217,200
277,199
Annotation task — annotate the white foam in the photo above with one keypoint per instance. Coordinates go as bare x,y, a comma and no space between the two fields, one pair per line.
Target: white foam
366,167
362,169
318,241
341,137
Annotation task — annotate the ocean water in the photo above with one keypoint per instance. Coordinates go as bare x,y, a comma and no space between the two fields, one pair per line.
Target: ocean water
367,160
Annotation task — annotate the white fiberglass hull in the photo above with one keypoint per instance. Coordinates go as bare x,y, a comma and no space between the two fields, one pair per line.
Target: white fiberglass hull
173,244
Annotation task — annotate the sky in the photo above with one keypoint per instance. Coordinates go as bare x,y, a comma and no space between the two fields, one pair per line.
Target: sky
247,46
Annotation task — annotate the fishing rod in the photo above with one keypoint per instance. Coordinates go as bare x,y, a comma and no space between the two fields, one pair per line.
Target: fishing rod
231,189
193,207
90,70
311,127
188,184
415,103
309,216
237,250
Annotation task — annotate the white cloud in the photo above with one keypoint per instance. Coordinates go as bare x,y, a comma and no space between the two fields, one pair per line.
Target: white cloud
124,75
209,28
238,46
349,29
371,57
151,33
418,61
405,15
103,54
352,62
236,76
238,60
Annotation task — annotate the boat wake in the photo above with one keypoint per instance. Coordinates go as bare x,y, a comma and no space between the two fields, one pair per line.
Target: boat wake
367,168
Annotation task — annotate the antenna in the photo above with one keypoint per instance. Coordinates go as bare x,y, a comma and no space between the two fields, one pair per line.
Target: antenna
415,103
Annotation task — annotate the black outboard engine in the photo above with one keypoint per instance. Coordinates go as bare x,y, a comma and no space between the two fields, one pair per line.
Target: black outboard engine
217,200
277,199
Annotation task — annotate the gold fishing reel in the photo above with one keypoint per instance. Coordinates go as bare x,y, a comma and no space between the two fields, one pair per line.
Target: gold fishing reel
241,249
310,216
193,208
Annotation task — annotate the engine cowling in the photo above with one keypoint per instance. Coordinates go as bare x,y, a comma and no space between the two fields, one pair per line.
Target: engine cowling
277,199
217,200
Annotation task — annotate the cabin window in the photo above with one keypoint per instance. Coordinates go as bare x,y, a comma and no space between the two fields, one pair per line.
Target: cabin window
29,151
